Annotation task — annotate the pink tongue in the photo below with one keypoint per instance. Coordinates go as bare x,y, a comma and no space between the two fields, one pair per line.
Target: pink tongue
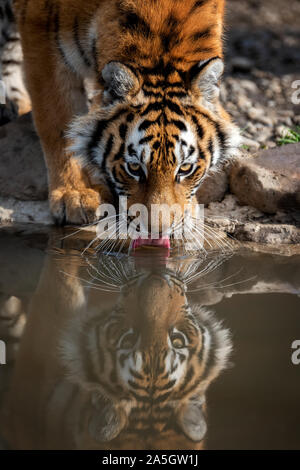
163,242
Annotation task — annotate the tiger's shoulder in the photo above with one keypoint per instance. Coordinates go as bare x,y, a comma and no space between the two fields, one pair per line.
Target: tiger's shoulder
183,33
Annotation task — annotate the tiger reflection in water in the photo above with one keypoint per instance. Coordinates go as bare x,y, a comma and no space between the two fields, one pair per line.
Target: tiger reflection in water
119,360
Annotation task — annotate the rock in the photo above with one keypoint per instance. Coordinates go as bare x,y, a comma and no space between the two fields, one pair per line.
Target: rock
270,144
271,234
244,103
247,142
23,172
248,85
255,113
259,114
14,211
241,64
213,188
269,181
8,113
247,224
281,130
264,135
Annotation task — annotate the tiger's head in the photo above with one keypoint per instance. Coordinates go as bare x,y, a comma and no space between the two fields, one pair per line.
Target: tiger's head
157,132
147,363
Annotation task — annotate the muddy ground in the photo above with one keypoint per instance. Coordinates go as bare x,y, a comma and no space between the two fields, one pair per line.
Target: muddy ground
262,44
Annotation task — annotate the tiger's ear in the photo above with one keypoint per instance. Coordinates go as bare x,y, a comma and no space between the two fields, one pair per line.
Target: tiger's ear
192,421
119,81
106,422
205,77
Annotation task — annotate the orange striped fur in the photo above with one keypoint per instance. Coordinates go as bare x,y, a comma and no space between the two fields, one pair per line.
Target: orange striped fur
155,126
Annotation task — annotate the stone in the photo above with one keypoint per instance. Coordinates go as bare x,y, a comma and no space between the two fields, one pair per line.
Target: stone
247,142
14,211
248,85
247,224
214,187
281,130
241,64
269,181
271,234
243,102
23,172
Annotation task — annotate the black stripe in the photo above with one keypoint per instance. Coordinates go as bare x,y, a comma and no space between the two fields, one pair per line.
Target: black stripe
120,152
162,397
24,11
58,43
114,172
221,135
144,140
197,68
188,377
108,148
11,62
152,155
100,128
146,124
174,107
198,126
130,50
168,385
198,4
201,35
157,106
9,13
211,147
133,22
97,135
203,50
49,11
201,153
123,131
95,54
160,68
131,150
130,117
135,374
180,125
136,386
176,94
153,92
81,51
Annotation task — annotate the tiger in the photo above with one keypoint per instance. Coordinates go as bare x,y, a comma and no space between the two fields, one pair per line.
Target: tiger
118,360
14,99
155,126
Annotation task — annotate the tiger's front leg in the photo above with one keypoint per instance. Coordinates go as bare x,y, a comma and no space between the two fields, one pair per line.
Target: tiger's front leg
57,96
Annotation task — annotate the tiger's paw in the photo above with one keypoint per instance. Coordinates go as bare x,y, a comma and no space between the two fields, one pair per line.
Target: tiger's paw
75,207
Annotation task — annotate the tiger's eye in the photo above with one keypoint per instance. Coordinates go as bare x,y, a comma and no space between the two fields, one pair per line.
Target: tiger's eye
134,167
177,341
185,169
129,341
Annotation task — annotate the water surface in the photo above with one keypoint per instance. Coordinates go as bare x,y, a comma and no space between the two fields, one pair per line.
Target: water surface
147,352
